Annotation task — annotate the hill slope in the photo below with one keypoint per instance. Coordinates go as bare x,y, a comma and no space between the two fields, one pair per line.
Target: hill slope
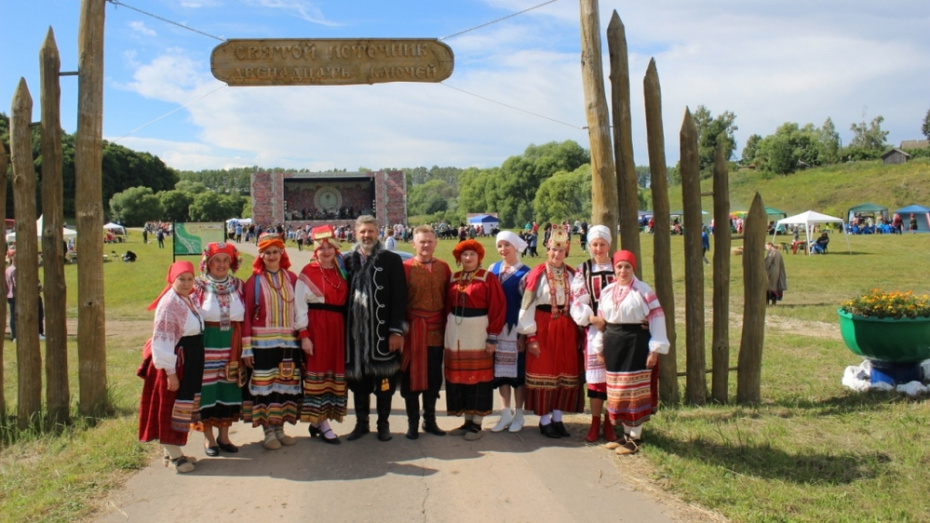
831,190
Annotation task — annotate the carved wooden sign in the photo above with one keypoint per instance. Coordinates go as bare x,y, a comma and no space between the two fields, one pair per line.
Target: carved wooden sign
331,62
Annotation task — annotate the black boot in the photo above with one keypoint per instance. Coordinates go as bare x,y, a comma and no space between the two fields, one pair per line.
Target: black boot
362,410
413,415
429,415
384,412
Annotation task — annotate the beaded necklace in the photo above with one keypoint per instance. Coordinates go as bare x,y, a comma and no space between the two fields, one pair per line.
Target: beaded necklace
555,277
324,270
223,290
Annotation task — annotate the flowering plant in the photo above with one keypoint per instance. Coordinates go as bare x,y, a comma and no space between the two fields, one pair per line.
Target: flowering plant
893,305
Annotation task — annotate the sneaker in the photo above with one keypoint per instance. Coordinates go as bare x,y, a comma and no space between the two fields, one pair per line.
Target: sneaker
41,336
181,465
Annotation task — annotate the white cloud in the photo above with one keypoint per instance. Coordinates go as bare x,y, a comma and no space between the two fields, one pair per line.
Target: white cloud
307,10
139,27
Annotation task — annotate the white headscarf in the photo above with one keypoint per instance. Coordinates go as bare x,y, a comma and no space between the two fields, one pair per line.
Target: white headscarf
599,231
512,239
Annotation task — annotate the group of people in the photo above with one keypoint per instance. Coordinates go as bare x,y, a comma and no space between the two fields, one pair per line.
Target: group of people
284,347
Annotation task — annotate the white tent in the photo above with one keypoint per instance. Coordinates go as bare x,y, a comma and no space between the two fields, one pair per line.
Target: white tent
116,228
809,219
66,233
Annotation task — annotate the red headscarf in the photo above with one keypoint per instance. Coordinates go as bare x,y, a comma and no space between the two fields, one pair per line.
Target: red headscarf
214,249
266,241
468,245
626,256
324,233
176,269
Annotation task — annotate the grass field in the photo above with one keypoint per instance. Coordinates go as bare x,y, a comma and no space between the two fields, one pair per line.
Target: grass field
811,451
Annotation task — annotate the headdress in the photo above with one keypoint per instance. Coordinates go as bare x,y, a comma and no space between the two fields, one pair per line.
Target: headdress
215,248
599,231
626,256
176,269
518,243
559,238
468,245
266,241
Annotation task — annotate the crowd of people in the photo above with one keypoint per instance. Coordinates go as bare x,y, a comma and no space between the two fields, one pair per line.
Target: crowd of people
285,347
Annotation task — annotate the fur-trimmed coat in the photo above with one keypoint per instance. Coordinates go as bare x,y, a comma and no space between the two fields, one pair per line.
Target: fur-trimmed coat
377,305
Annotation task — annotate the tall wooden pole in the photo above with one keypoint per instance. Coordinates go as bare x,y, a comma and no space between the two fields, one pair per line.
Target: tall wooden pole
28,355
696,386
604,179
628,191
720,344
88,160
4,163
662,243
755,282
57,395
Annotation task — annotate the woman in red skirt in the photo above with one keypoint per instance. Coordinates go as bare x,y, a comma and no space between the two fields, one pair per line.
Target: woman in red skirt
553,380
321,293
173,368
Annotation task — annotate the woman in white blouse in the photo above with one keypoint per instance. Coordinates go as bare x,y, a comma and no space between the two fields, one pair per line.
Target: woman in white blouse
629,347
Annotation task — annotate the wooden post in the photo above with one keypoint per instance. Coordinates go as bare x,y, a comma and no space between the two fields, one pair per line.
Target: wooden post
755,282
696,387
29,361
603,177
662,258
57,396
720,343
628,191
88,164
4,162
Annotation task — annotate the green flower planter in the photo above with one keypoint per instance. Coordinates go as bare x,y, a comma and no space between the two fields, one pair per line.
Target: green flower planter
885,339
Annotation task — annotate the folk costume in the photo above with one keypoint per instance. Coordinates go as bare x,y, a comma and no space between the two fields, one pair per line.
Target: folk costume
175,349
509,360
587,284
553,378
477,310
635,327
422,362
377,306
273,393
321,297
223,306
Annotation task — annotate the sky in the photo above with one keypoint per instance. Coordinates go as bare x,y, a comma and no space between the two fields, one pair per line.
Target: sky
516,78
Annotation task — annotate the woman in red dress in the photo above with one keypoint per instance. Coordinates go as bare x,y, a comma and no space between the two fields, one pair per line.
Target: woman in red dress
553,381
321,296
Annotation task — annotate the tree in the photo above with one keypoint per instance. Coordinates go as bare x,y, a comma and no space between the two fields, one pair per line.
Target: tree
135,206
869,137
710,132
925,128
176,205
830,144
790,148
750,150
429,198
564,195
212,207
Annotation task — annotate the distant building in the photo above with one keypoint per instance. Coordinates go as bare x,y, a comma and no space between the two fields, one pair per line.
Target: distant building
300,199
915,144
895,156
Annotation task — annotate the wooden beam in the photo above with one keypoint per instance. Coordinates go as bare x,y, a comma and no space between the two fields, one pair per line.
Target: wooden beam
696,386
26,293
57,396
603,176
628,190
88,164
720,339
661,238
749,378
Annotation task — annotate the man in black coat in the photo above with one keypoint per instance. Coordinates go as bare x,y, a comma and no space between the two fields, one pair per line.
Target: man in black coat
375,335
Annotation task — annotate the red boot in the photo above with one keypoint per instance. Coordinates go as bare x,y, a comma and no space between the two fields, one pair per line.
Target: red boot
593,431
609,429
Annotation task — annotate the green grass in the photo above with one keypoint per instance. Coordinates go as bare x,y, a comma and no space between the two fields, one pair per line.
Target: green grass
811,451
